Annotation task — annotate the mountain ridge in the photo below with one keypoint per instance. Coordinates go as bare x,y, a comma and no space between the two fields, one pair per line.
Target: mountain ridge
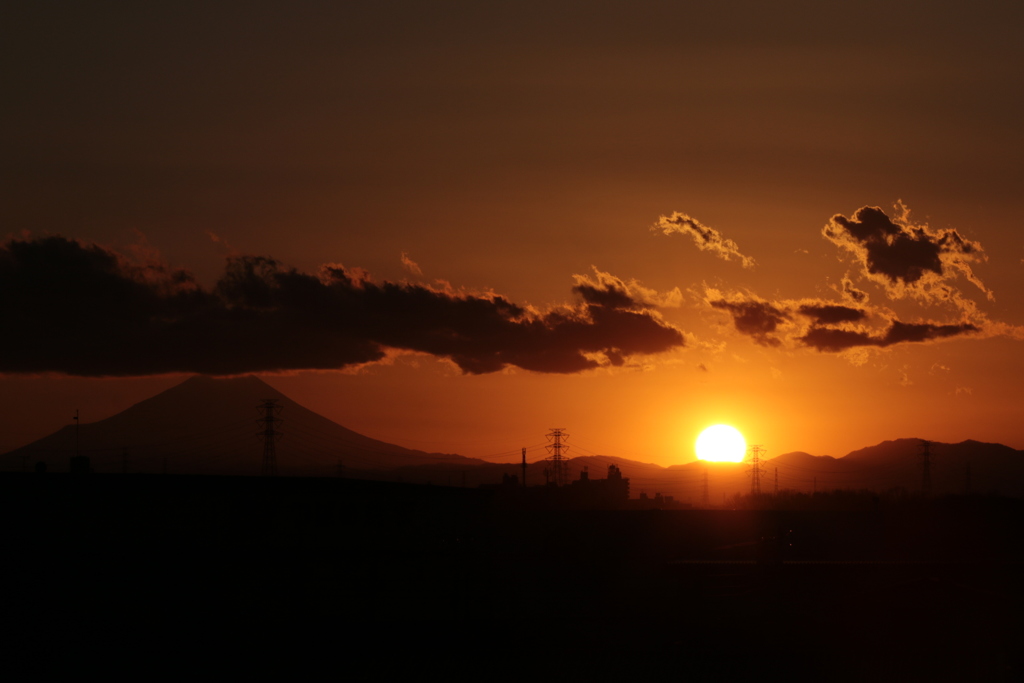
207,425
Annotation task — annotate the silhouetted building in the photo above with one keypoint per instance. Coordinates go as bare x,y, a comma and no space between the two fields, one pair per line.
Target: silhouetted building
658,502
617,480
584,493
612,492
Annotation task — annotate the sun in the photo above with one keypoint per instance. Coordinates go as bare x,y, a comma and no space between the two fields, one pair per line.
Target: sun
721,443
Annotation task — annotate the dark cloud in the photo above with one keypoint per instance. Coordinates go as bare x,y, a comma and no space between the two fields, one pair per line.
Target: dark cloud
905,258
920,332
835,340
705,237
831,314
84,310
757,319
901,256
831,327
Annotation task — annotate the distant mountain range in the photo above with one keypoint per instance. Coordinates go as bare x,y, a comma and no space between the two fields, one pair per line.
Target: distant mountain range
209,426
969,466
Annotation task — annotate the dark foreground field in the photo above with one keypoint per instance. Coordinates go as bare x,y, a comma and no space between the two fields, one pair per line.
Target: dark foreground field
221,575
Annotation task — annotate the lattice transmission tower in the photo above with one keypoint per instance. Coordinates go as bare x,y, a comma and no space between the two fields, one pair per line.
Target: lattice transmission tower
559,464
269,411
755,469
926,467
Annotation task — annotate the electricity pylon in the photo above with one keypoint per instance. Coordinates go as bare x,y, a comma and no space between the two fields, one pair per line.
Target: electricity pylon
269,436
755,469
559,465
926,467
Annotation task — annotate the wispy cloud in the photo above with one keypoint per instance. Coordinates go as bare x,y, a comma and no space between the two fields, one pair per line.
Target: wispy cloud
704,236
410,265
602,285
851,293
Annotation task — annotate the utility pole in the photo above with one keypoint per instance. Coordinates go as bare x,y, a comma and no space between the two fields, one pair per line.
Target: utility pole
707,489
559,465
926,468
524,467
755,470
269,436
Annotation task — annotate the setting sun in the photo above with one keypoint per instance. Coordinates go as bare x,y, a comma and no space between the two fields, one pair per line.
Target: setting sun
721,443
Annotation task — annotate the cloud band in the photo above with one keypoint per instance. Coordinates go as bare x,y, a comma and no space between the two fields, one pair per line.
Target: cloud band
85,310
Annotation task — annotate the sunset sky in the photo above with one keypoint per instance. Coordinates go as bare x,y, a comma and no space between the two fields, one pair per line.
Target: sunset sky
455,225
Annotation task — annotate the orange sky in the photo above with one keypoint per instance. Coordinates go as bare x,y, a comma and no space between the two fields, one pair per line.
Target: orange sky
508,149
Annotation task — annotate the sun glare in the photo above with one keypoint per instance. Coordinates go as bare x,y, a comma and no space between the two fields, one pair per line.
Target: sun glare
721,443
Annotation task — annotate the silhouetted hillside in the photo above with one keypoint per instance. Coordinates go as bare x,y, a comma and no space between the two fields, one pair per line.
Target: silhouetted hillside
970,466
209,426
955,468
